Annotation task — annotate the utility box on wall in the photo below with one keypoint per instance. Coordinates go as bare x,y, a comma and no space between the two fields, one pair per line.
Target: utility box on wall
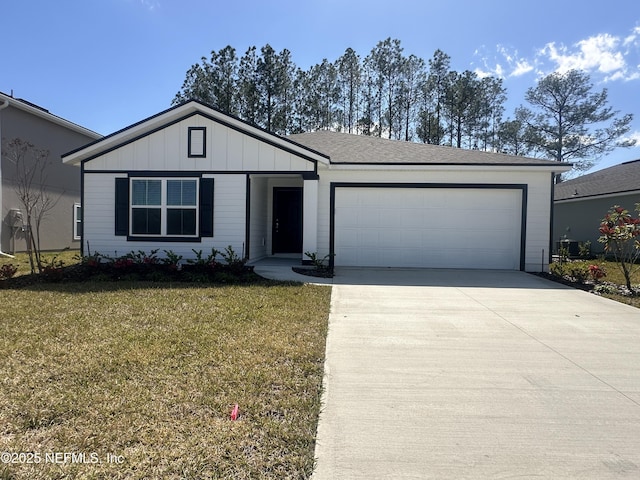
15,218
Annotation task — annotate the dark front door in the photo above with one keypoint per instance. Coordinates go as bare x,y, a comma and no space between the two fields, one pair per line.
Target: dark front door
287,220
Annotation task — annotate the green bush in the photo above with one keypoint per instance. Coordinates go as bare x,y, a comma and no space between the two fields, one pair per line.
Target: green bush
235,264
576,271
606,288
319,264
584,249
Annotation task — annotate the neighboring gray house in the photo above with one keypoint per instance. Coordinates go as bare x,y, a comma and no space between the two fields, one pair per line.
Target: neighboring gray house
61,228
193,178
581,203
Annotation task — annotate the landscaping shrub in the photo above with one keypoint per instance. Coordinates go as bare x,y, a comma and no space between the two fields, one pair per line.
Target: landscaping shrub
606,288
234,263
575,271
584,249
140,265
52,269
619,232
596,272
7,271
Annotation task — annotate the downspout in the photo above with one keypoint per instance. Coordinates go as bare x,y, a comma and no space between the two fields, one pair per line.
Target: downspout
5,104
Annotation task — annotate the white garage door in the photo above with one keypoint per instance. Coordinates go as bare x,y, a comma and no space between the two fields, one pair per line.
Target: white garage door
428,227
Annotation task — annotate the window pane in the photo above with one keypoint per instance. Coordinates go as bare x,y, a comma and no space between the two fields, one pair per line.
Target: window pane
146,192
139,192
139,221
145,221
189,222
77,221
174,192
181,221
154,192
181,192
189,192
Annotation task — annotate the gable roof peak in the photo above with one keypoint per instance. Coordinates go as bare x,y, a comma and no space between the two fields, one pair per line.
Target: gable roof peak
177,113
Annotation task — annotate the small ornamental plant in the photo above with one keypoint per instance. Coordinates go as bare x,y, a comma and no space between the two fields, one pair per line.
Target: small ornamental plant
172,260
619,231
123,262
53,269
7,271
596,272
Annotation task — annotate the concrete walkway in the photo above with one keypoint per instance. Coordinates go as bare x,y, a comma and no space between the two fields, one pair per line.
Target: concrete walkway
451,374
279,268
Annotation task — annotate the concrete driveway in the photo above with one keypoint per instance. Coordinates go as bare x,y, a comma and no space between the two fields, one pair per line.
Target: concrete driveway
451,374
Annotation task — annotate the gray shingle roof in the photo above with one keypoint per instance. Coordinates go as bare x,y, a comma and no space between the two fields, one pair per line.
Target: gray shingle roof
361,149
617,179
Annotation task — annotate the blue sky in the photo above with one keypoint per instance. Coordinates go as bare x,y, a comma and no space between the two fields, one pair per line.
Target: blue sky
106,64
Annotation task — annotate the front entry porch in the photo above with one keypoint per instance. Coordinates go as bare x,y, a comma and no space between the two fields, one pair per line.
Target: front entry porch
282,212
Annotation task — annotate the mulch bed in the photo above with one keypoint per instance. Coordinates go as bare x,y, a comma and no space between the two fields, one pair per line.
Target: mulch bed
314,272
587,287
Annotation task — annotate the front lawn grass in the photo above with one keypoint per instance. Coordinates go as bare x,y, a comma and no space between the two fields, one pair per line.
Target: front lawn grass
614,275
21,260
149,374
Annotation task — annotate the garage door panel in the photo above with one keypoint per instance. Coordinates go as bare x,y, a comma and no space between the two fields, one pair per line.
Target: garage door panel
406,241
369,238
390,218
428,227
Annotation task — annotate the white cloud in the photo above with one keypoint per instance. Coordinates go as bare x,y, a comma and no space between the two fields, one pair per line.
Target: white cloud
482,73
631,39
506,63
522,66
603,53
613,58
150,4
634,136
517,65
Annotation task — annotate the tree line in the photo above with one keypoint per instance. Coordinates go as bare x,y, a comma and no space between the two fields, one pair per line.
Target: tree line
393,95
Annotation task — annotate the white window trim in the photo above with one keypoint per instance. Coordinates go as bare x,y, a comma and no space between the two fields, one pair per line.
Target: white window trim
76,221
164,207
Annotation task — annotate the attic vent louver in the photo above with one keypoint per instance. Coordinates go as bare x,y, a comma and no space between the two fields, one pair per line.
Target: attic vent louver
197,142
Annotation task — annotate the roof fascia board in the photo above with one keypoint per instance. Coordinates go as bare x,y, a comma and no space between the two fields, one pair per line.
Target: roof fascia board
452,166
597,196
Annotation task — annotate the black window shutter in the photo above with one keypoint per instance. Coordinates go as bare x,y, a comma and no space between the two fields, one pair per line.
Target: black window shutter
122,206
206,207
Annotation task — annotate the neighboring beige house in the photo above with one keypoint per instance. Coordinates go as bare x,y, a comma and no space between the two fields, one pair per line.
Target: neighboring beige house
581,203
62,227
192,178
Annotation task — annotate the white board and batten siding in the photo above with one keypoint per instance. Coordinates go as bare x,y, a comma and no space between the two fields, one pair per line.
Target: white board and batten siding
222,149
226,150
229,220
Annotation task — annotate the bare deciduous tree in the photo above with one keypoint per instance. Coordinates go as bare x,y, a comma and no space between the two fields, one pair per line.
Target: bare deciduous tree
31,169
